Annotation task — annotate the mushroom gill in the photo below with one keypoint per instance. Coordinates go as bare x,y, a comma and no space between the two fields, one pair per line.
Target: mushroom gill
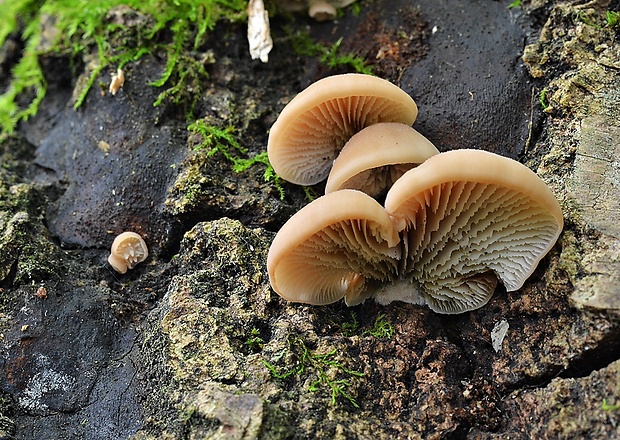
450,229
128,249
327,249
466,213
315,125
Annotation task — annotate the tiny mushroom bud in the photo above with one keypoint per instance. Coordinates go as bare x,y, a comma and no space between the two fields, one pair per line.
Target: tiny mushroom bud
118,79
128,249
321,10
41,292
377,156
315,125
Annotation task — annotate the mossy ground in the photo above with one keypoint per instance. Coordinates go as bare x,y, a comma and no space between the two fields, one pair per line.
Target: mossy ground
114,33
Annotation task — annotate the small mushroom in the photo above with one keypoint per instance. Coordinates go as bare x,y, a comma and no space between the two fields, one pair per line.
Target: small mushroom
118,79
128,249
373,159
450,229
320,10
314,126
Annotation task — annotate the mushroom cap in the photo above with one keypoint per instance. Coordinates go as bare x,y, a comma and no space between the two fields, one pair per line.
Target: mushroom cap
466,215
128,249
375,157
314,126
325,250
321,10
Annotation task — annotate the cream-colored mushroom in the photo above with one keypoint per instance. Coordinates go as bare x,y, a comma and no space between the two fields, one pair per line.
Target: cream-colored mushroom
320,10
466,213
128,249
327,249
373,159
314,126
455,225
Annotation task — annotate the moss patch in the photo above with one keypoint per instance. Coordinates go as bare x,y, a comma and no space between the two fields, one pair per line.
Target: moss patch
115,32
27,252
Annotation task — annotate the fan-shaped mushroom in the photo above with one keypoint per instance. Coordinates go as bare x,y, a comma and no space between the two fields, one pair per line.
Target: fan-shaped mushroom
324,252
455,224
128,249
465,213
373,159
314,126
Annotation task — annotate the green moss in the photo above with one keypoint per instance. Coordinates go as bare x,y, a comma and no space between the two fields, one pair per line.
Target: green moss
254,341
331,56
222,141
349,328
27,74
612,18
543,99
174,27
608,407
381,329
329,371
587,18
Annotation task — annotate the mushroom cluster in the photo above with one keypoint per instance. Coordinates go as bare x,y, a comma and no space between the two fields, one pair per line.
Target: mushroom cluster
452,224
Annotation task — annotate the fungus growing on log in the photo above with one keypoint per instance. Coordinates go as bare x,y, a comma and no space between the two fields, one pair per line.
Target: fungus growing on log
128,249
373,159
315,125
451,228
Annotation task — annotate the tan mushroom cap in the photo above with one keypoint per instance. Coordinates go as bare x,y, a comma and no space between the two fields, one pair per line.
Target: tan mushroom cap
321,10
374,158
466,215
314,126
128,249
325,250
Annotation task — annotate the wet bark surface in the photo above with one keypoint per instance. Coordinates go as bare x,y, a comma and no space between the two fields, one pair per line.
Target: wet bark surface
193,343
